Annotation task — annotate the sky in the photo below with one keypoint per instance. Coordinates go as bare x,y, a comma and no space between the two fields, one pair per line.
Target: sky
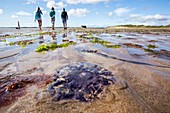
92,13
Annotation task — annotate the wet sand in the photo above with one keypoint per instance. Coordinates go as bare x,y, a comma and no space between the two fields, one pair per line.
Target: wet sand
142,79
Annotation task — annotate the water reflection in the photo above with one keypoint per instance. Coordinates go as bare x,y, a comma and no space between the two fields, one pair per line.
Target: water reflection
53,36
41,39
64,35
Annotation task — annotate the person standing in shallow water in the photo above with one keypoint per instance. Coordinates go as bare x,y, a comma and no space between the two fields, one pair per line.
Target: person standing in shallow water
64,18
38,17
52,15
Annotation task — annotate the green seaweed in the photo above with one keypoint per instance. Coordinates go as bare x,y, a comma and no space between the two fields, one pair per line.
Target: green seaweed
105,43
23,46
21,43
12,43
151,46
53,46
28,34
45,33
10,36
45,47
99,41
87,36
149,50
42,47
119,36
113,46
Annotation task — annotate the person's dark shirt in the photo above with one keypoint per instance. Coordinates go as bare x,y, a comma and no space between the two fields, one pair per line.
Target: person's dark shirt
64,15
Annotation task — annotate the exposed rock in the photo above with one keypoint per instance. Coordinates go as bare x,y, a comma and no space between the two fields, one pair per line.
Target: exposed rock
132,45
80,81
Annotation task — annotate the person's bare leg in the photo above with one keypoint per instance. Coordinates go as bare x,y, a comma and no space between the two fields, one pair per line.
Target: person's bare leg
40,24
66,25
52,22
52,26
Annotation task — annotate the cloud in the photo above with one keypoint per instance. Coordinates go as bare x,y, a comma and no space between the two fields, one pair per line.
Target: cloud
78,12
1,11
43,11
14,16
86,1
120,11
60,5
31,1
110,14
156,19
22,13
52,3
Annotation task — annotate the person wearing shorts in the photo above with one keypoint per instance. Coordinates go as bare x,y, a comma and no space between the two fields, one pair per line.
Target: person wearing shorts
38,17
64,18
52,15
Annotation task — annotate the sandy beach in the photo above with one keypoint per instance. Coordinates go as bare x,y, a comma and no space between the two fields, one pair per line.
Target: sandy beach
137,60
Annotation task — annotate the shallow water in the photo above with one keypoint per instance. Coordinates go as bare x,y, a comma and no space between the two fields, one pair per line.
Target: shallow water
140,69
162,41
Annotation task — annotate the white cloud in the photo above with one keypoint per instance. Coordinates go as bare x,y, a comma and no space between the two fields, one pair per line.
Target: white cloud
60,5
59,11
156,19
120,11
22,13
1,11
78,12
97,13
43,11
110,13
31,1
86,1
14,16
52,3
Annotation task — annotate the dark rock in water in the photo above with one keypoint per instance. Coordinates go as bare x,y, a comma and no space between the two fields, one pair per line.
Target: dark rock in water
130,45
80,81
83,26
89,51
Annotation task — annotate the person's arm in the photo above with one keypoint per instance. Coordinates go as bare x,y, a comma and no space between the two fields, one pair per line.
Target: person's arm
35,16
66,16
50,13
61,15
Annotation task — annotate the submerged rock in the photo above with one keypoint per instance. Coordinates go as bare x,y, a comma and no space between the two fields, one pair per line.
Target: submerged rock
80,81
130,45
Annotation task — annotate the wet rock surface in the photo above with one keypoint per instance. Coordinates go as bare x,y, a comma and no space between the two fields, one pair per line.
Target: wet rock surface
130,45
12,87
80,81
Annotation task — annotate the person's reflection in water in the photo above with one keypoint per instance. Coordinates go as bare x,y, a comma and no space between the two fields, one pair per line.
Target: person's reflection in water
64,35
53,35
41,39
